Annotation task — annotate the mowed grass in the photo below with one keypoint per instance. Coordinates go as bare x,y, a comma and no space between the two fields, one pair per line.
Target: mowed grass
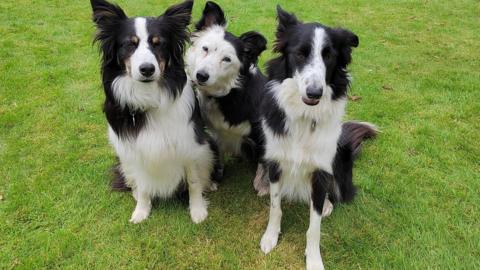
416,71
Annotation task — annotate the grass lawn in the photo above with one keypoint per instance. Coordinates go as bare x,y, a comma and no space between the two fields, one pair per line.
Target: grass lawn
417,71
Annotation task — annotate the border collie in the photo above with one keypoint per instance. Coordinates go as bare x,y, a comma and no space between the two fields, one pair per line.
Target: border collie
307,155
154,121
223,68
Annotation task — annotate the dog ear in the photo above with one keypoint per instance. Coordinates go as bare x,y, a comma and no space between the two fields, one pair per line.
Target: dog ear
344,40
106,14
176,19
254,45
182,13
344,37
285,21
212,15
107,17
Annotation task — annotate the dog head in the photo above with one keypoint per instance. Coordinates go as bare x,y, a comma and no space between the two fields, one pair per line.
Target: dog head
217,59
314,56
142,48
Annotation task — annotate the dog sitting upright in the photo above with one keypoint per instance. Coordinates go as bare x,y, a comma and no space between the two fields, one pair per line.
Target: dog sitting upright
223,68
308,152
154,122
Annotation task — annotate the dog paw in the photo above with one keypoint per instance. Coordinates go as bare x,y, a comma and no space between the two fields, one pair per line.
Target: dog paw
139,215
315,264
262,190
327,208
268,242
198,214
213,187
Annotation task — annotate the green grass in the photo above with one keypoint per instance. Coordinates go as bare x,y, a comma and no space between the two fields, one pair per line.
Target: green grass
417,71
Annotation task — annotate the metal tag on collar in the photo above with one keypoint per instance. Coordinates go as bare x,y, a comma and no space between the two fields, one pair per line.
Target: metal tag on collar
133,117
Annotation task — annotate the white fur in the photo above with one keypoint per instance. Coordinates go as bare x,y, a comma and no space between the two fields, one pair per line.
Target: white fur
312,251
229,137
165,151
314,72
223,75
143,55
303,150
310,144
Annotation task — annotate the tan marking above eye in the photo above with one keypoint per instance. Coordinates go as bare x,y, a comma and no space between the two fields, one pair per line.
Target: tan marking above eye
134,40
156,40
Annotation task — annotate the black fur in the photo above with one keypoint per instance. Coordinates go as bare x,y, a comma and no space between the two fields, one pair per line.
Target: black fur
113,31
212,15
293,43
274,171
202,137
242,103
320,182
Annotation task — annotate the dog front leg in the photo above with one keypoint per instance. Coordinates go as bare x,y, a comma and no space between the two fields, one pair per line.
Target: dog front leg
320,180
143,208
270,237
197,181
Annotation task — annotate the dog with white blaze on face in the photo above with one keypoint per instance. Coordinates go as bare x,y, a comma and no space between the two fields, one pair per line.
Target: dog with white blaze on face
309,153
223,68
154,122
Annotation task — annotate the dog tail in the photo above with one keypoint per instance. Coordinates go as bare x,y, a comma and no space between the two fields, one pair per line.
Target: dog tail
354,133
118,182
349,146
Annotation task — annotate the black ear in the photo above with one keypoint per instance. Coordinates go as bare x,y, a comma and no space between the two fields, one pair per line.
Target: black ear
212,15
181,12
344,40
285,21
177,18
106,14
107,17
254,44
344,37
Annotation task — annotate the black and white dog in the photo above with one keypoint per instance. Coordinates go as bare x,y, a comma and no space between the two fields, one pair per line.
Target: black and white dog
307,155
154,121
223,68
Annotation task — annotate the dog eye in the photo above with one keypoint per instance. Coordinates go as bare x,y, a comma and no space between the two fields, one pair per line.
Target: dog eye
205,48
301,55
227,59
133,41
156,41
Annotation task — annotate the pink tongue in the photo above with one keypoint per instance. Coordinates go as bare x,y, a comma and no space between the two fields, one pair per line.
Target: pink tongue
310,102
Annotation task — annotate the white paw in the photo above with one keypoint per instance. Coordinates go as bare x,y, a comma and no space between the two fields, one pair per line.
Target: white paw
213,186
198,214
139,215
327,208
315,264
268,242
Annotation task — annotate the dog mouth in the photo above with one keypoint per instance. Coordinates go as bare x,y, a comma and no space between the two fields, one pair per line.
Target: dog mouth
310,101
146,80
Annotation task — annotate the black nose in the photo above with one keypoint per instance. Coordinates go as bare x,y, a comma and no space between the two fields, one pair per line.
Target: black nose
202,76
314,92
147,70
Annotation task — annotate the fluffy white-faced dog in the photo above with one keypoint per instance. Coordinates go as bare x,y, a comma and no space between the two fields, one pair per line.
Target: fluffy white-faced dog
307,155
223,68
154,122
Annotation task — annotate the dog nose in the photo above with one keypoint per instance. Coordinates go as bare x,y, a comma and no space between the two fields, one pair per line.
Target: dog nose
202,76
147,69
314,92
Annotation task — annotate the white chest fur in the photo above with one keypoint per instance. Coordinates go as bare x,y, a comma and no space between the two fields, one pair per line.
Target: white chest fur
228,137
310,142
157,157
